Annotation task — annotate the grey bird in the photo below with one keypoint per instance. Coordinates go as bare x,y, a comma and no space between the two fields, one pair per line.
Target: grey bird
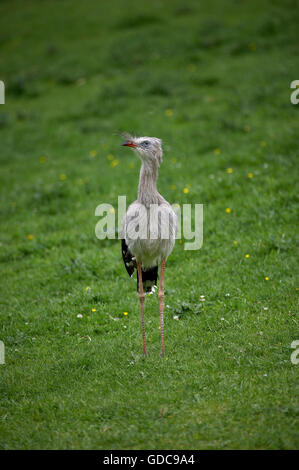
149,228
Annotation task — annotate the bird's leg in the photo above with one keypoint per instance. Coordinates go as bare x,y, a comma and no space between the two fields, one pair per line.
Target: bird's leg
141,298
161,301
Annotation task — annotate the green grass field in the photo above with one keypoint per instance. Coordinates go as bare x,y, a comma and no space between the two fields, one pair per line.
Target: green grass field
212,79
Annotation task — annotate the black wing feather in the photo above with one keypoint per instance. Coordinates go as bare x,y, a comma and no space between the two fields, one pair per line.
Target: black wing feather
129,260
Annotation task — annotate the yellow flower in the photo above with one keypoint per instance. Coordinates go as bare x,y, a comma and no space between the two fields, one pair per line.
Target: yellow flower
247,255
93,309
125,314
114,163
93,153
30,237
250,175
228,210
168,112
266,278
42,159
173,160
229,171
186,190
263,143
180,242
87,288
110,157
235,243
173,187
62,177
217,151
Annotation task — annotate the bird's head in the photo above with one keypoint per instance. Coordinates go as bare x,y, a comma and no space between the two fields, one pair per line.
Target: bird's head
148,148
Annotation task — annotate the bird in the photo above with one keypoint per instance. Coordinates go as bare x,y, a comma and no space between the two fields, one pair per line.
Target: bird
149,228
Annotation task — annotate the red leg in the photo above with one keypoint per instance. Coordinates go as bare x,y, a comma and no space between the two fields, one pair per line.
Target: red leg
161,301
141,298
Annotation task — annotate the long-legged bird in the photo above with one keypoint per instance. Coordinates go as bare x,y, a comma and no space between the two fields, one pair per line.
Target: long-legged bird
149,228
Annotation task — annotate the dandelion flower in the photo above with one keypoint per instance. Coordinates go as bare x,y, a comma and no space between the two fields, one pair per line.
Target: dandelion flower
30,237
110,157
250,175
186,190
217,151
235,243
266,278
93,309
93,153
229,171
62,177
180,242
114,163
173,187
125,314
263,143
168,112
228,210
87,288
247,255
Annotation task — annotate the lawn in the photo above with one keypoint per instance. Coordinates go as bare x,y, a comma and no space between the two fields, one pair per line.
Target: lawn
212,79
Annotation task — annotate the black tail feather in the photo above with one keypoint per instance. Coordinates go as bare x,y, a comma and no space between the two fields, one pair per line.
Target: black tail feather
149,279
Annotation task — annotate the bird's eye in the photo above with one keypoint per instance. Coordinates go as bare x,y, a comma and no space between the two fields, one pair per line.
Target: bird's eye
146,143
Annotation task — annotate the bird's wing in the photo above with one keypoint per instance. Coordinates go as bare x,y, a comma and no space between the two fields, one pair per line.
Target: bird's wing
128,258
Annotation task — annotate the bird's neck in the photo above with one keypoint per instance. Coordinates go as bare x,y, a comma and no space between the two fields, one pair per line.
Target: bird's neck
147,189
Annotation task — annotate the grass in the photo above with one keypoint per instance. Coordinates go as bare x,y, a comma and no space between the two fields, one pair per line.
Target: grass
212,79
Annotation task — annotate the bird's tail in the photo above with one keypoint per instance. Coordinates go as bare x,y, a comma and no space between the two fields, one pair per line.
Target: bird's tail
149,279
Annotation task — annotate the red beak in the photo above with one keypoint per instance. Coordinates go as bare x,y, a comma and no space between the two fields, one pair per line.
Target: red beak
129,143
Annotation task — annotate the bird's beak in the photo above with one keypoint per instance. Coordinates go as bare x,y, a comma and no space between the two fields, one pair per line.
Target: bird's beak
129,143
